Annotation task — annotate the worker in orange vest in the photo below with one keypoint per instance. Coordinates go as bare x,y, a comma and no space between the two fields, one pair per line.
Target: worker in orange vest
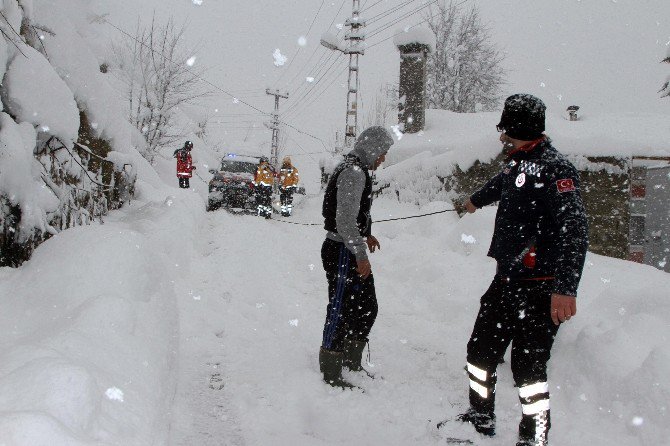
263,180
288,183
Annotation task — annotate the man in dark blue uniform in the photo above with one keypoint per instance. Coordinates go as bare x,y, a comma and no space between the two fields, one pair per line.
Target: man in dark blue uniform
352,303
539,242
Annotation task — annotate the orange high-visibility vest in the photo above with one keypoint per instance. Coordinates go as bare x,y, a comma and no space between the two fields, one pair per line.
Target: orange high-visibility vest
288,177
264,175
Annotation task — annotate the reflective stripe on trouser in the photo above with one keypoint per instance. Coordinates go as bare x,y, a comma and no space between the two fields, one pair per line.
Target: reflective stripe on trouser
516,314
535,421
352,302
482,388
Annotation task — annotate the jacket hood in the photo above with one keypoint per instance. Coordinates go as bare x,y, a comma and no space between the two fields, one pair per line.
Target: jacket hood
371,144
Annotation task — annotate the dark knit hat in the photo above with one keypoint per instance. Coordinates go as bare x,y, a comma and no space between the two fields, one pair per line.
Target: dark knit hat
523,117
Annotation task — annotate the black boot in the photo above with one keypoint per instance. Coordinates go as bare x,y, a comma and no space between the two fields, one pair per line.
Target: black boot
353,356
484,423
330,363
534,429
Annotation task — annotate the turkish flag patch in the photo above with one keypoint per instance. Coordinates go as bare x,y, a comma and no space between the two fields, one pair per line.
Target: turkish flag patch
565,185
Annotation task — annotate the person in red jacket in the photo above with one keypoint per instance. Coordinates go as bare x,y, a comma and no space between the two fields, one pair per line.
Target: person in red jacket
185,165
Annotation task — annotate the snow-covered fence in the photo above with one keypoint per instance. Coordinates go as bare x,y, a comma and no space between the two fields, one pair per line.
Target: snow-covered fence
87,186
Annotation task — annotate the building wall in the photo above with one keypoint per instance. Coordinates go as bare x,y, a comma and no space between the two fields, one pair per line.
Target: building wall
606,195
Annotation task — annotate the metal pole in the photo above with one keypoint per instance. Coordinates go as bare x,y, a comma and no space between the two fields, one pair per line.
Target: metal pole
354,49
274,126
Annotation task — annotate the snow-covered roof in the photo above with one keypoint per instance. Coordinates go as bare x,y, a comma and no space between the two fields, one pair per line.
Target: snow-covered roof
418,34
463,138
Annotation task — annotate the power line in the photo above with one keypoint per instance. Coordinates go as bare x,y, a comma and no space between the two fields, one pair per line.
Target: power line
190,71
307,104
298,49
371,6
410,27
206,81
314,85
316,49
397,20
321,59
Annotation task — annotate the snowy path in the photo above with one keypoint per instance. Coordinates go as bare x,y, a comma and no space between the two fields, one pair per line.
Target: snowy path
171,326
251,315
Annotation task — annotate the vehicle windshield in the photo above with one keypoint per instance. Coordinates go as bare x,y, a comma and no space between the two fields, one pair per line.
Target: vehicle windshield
237,166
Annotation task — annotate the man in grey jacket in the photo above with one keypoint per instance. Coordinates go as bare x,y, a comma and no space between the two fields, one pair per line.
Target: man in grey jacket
352,303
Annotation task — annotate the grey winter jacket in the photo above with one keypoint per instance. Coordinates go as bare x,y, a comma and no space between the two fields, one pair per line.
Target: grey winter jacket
370,145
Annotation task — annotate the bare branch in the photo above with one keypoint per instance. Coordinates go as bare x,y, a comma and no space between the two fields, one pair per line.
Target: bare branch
158,80
465,71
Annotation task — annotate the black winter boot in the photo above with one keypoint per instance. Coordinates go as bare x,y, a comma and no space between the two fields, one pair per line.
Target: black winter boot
353,356
534,429
330,363
484,423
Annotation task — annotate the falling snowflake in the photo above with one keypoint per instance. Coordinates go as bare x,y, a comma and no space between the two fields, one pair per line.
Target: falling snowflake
114,394
197,2
309,79
190,61
236,101
637,421
468,239
280,59
302,40
311,267
293,322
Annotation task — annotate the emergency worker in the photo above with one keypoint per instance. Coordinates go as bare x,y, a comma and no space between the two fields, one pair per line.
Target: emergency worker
539,241
263,180
352,302
288,182
185,165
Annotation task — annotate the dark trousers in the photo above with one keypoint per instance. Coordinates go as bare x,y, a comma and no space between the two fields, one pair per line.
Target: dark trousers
352,302
184,182
286,195
264,198
518,313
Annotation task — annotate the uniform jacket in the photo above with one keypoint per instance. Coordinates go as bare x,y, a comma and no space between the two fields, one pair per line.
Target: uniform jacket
540,227
288,177
184,163
264,175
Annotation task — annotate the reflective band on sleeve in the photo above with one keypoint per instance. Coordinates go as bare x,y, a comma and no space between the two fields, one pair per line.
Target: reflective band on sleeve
477,372
535,408
481,390
533,389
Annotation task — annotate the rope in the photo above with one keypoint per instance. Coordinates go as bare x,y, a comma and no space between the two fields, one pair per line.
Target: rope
377,221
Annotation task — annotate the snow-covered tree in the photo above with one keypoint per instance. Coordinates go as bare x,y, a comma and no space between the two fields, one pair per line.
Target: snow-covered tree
382,108
464,73
160,75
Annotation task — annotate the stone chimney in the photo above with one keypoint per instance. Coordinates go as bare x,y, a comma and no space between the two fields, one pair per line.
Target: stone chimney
414,46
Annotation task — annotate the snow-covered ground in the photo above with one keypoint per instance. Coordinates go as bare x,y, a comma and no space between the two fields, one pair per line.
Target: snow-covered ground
168,325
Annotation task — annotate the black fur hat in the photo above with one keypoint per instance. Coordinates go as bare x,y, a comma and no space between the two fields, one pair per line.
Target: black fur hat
523,117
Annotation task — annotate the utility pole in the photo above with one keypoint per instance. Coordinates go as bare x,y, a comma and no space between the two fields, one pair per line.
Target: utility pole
274,126
355,48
